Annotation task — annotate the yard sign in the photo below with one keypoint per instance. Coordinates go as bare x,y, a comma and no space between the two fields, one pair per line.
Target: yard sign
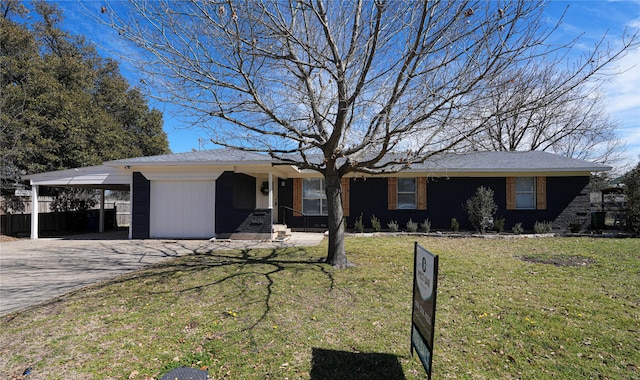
425,284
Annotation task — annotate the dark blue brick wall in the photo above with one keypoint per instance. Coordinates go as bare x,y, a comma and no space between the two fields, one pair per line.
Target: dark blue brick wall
567,201
229,218
140,222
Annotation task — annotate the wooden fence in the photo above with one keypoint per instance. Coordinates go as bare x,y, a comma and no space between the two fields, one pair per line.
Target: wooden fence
44,205
58,222
117,214
123,213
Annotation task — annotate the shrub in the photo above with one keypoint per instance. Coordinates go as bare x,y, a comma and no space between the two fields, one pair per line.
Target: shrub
359,225
412,226
375,223
393,226
498,225
12,204
73,199
632,191
575,227
426,225
455,226
542,227
481,208
517,228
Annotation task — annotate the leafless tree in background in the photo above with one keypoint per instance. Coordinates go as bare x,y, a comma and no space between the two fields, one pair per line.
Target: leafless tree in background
530,113
345,81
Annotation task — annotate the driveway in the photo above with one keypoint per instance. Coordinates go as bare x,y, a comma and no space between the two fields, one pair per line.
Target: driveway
34,271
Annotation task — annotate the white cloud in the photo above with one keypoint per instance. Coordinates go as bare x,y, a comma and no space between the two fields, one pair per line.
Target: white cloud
623,95
623,89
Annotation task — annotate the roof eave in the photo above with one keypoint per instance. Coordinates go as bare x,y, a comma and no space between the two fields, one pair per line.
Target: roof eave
185,163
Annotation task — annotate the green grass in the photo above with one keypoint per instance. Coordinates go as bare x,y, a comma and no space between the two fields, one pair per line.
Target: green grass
552,308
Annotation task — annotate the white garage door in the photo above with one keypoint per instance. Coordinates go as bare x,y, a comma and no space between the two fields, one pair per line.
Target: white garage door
182,209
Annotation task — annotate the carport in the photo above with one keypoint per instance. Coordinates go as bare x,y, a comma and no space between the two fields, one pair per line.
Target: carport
100,177
220,193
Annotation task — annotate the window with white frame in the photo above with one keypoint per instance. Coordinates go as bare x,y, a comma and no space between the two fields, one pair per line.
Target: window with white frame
407,193
314,198
525,193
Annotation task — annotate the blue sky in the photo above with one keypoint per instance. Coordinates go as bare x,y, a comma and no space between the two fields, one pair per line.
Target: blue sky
589,19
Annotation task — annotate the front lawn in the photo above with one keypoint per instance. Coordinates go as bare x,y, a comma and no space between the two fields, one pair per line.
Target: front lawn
549,308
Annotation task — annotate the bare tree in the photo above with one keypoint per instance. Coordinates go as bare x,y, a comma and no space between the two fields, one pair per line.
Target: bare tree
349,82
529,113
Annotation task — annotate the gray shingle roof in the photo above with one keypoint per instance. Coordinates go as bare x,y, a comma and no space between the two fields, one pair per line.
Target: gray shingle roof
507,161
214,156
529,161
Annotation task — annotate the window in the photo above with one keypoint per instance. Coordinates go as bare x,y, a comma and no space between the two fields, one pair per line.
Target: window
314,199
525,193
309,196
406,193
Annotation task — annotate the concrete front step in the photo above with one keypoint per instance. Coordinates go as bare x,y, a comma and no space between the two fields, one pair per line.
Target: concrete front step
280,232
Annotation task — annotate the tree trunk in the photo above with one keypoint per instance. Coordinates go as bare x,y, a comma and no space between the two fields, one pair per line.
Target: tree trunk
336,254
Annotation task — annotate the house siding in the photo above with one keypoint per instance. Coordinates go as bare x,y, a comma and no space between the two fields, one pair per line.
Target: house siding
140,222
446,199
567,202
228,217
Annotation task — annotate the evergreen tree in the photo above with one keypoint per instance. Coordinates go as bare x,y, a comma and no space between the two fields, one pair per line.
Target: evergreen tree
632,191
62,105
481,209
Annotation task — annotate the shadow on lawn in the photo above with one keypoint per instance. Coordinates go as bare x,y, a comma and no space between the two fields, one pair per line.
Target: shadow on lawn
335,365
228,265
252,262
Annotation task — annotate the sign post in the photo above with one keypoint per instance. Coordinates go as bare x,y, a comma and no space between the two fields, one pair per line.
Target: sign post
425,285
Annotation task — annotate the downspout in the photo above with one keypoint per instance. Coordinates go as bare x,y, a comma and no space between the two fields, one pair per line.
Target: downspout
34,211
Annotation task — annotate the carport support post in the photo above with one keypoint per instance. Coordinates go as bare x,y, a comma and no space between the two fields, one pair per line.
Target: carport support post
34,212
101,224
270,190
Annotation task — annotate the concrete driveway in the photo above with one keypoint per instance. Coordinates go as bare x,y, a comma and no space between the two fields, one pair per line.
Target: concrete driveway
34,271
